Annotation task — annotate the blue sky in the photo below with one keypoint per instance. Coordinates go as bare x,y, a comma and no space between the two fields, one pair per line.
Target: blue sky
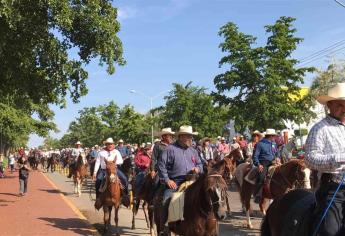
176,41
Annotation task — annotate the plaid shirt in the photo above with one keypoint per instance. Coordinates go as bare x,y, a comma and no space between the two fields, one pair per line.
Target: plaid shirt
325,147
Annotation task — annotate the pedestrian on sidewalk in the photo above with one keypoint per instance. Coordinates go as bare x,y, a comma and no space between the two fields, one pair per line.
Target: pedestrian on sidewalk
11,161
23,175
2,175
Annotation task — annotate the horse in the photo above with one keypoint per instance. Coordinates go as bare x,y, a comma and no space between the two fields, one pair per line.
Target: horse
80,173
52,162
284,178
293,214
286,152
33,160
208,196
111,196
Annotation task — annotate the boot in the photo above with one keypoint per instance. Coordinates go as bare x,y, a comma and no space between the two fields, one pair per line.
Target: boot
70,173
258,195
125,199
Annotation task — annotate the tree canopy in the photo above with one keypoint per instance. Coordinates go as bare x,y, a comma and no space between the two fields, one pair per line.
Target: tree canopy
191,105
259,81
36,69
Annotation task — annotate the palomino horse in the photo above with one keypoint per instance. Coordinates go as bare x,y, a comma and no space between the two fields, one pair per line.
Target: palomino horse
284,178
111,195
80,173
208,196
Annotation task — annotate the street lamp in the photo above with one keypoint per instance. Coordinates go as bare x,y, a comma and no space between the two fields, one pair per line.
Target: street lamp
151,101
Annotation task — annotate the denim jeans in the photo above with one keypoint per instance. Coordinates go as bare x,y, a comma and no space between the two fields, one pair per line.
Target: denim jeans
101,175
23,185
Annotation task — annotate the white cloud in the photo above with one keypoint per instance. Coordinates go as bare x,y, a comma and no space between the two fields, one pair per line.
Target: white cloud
126,12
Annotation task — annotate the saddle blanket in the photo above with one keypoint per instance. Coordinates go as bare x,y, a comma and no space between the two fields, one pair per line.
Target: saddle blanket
176,206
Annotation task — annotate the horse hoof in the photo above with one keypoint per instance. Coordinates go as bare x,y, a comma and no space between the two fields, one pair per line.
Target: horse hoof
250,226
133,227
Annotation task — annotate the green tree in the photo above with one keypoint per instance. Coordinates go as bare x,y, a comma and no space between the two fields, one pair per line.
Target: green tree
36,70
191,105
259,83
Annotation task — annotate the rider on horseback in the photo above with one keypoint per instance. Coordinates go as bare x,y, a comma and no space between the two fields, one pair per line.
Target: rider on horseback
177,161
264,154
75,153
325,152
109,153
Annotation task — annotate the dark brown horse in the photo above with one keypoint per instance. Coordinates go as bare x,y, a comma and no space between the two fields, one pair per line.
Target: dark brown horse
80,173
208,196
111,196
292,215
284,179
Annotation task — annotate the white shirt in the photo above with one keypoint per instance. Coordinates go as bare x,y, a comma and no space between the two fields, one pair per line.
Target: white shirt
109,156
76,152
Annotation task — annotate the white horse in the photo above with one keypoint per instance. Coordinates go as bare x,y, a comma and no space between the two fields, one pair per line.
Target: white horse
286,152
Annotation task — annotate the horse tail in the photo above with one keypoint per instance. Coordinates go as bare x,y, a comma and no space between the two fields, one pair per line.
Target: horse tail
265,227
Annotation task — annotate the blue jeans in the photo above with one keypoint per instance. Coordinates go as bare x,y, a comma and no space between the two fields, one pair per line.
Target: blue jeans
139,181
168,194
101,175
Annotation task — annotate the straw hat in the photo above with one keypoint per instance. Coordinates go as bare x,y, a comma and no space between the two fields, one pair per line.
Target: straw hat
335,93
120,141
78,143
203,140
166,131
270,132
186,129
257,132
109,140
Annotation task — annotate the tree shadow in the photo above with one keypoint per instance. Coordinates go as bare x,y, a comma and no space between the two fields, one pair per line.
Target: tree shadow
76,225
54,191
10,194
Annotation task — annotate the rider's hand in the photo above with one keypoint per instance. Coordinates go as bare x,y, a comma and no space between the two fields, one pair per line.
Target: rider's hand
93,177
261,168
195,170
153,174
171,184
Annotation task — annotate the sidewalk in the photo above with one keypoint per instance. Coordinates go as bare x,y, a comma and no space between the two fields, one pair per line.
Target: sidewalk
43,211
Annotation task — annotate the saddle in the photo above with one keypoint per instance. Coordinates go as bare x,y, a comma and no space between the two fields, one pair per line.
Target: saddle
176,205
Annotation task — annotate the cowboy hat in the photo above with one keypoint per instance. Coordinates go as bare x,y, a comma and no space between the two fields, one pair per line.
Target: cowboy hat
156,140
186,129
120,141
257,132
270,132
166,131
222,139
78,143
109,140
219,137
203,140
335,93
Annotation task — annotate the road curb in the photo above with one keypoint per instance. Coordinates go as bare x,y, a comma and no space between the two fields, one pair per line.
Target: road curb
71,205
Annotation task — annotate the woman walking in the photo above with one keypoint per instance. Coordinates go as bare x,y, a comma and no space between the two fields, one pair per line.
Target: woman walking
23,175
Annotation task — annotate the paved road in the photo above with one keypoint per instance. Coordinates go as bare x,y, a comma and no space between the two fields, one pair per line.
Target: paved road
43,211
235,226
51,208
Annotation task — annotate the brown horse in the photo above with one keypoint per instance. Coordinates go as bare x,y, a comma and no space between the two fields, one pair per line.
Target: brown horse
111,196
208,196
146,197
80,173
285,178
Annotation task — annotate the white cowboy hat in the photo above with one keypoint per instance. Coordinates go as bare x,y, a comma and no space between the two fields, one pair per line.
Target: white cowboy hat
219,137
222,139
166,131
109,140
156,140
186,129
78,143
335,93
270,132
257,132
120,141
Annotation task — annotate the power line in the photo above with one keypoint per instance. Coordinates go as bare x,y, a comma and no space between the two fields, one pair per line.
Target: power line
313,55
341,4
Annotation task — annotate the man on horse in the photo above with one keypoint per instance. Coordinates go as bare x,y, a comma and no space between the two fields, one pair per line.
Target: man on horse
325,152
93,156
178,160
223,148
109,153
264,154
124,150
74,154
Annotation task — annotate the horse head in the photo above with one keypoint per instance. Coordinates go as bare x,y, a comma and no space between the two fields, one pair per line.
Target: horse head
82,159
216,194
111,170
296,168
224,167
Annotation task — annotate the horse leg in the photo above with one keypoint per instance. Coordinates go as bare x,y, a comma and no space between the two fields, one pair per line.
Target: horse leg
146,219
117,221
79,186
106,218
228,213
150,212
262,205
134,210
75,186
247,191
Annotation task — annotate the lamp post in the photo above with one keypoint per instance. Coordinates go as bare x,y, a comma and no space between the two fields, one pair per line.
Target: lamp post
151,103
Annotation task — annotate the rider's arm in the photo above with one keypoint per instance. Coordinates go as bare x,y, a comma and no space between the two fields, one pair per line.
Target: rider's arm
119,159
315,157
162,170
97,164
256,154
153,164
198,164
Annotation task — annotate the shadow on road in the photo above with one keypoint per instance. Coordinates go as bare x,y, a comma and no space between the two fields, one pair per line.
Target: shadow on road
70,225
10,194
111,231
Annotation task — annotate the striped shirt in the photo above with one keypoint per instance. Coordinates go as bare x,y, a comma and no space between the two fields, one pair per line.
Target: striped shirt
325,147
